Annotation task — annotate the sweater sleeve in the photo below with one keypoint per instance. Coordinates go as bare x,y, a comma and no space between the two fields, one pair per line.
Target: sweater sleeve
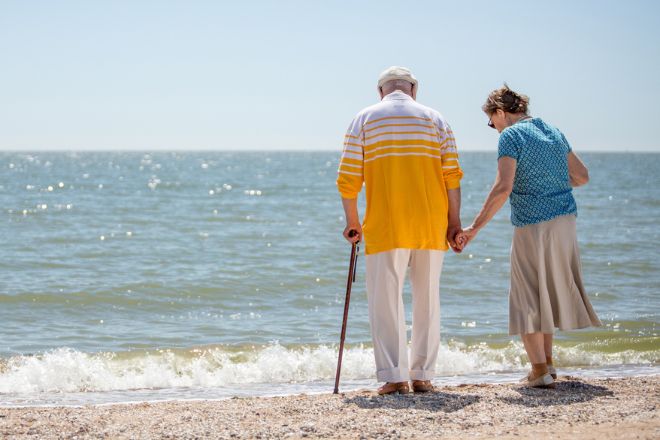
351,166
451,169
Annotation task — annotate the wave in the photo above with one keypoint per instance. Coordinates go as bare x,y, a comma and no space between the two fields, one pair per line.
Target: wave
68,370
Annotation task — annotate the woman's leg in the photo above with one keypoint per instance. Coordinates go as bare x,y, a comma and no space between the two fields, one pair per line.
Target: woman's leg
534,346
547,346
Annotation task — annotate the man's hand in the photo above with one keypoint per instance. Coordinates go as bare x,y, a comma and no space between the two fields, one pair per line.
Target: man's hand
453,231
352,220
357,236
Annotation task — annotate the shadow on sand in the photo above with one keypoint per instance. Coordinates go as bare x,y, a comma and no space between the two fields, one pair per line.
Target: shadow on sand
569,390
434,401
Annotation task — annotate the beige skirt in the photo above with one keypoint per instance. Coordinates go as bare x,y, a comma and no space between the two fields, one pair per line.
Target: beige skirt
546,279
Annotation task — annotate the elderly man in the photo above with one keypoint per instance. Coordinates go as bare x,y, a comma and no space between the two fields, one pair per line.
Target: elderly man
405,155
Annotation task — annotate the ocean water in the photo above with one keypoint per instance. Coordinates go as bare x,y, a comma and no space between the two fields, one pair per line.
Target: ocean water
167,275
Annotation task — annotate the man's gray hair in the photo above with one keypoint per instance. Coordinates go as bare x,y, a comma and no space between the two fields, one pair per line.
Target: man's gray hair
397,84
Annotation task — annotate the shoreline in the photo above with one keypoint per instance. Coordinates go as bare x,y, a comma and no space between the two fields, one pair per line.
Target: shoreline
79,399
582,408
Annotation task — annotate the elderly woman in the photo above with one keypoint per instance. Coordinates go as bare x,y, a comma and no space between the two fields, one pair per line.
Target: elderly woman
537,170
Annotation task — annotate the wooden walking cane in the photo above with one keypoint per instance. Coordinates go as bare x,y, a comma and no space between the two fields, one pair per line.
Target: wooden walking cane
349,283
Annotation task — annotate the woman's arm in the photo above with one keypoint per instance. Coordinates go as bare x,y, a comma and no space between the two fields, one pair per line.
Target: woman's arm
506,171
577,171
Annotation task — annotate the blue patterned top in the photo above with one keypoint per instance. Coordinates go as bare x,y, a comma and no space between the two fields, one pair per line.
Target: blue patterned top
541,187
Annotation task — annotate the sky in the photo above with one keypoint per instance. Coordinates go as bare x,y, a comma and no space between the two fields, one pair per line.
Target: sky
290,75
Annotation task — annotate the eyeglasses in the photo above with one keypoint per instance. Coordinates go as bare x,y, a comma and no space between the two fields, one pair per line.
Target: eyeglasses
490,122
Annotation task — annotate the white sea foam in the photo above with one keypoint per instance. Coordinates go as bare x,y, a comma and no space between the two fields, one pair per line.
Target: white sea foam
67,370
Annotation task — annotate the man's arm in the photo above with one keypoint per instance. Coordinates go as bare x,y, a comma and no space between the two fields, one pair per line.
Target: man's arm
454,217
352,219
452,174
350,178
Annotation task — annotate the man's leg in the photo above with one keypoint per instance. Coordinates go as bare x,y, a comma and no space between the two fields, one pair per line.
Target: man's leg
385,276
425,268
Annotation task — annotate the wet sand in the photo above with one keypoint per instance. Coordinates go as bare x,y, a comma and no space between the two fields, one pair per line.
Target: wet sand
626,408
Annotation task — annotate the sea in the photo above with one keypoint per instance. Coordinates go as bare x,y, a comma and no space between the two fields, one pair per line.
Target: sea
148,276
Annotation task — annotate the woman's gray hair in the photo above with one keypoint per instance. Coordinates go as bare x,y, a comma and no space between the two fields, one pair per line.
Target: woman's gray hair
506,99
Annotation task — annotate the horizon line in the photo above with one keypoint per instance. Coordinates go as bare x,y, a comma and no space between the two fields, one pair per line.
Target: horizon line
249,150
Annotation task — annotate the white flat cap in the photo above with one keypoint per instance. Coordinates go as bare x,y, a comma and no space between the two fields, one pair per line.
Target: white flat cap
396,72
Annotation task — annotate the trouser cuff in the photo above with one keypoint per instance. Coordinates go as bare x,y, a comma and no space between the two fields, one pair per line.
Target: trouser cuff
422,374
393,375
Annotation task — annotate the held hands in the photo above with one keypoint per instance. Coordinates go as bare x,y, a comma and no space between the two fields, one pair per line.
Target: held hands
463,237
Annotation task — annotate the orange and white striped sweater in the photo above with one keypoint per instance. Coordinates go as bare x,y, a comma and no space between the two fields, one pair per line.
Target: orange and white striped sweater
405,155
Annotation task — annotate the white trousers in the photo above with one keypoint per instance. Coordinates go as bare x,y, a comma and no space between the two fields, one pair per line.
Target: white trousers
386,273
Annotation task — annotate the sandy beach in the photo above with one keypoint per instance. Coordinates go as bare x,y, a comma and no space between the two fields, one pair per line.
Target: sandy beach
577,408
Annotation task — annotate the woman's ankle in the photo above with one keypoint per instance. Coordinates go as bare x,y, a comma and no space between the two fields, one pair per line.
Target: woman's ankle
539,370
